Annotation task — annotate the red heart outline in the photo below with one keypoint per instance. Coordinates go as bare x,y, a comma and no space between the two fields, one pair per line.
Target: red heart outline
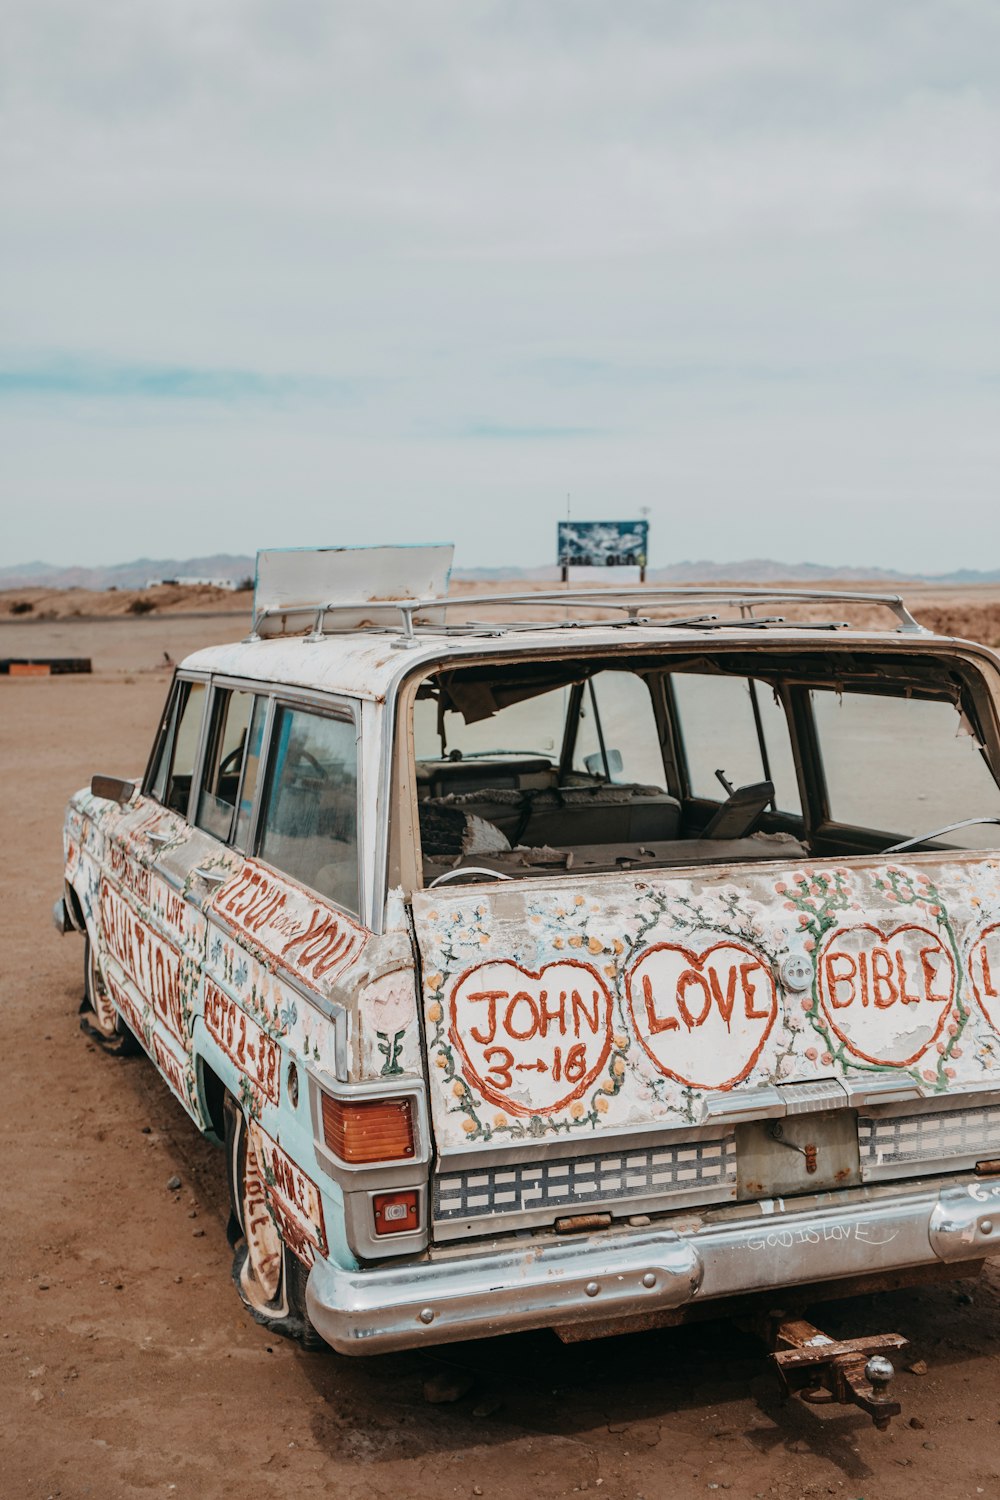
697,962
512,1106
981,938
886,938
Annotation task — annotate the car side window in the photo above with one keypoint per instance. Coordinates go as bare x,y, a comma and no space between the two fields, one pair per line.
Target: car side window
251,771
224,756
734,724
309,823
171,779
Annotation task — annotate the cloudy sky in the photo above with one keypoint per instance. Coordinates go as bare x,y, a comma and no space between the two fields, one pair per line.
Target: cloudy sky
300,271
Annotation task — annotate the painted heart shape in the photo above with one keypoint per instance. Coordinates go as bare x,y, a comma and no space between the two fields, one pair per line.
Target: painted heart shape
984,973
886,995
531,1040
702,1018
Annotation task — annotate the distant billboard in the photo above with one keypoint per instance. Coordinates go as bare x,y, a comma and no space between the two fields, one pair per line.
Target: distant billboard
603,544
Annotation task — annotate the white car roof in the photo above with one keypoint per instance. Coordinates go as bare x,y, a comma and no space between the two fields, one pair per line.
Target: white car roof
370,664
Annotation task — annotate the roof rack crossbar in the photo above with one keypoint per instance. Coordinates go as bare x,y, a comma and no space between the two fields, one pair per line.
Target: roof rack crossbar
359,614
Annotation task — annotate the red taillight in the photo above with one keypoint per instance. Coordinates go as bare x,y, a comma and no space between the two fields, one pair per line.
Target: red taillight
367,1130
395,1213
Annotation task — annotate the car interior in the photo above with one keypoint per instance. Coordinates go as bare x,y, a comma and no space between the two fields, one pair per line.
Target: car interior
532,767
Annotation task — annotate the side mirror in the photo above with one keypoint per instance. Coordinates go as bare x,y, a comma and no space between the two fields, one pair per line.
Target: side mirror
595,763
112,789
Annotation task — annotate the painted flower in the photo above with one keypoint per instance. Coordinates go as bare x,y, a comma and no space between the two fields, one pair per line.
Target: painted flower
433,981
601,1104
469,1126
812,1054
440,1061
577,1110
390,1003
434,1012
499,1120
826,1059
458,1088
595,945
621,1040
618,1066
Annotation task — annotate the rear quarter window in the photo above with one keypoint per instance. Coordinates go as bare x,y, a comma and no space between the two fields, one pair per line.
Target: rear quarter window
309,820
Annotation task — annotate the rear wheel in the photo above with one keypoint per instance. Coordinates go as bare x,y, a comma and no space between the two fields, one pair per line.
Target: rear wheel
98,1017
271,1280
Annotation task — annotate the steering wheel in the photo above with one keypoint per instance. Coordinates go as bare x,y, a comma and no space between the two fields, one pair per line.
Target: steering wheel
311,760
464,871
937,833
231,761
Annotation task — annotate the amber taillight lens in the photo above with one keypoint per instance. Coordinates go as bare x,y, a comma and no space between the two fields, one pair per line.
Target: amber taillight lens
366,1130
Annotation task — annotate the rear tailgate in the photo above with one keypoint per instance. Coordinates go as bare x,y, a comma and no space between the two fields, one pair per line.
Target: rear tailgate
594,1043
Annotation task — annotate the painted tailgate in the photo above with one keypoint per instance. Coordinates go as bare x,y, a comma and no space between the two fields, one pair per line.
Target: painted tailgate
565,1009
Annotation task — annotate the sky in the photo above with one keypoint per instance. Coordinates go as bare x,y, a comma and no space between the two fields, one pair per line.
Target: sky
304,272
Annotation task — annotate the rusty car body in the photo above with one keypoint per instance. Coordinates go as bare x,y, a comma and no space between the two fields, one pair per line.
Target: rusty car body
576,959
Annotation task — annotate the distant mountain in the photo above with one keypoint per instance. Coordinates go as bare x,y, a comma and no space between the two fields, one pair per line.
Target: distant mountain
132,575
764,571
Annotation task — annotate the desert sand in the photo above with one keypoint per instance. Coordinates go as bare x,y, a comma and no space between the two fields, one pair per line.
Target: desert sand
129,1366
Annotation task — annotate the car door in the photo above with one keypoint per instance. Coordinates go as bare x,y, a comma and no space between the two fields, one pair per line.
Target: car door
152,939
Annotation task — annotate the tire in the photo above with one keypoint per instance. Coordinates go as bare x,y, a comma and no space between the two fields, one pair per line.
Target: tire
98,1018
270,1279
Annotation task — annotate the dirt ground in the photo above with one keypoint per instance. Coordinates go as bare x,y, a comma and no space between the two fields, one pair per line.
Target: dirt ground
127,1365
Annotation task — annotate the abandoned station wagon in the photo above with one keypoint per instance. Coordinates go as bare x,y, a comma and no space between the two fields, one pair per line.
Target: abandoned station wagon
570,959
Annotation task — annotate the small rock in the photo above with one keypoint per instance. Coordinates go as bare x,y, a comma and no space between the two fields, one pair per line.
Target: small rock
147,1130
800,1445
904,1463
173,1183
178,1278
199,1234
964,1299
447,1385
193,1214
477,1489
43,1286
917,1367
487,1406
930,1447
916,1422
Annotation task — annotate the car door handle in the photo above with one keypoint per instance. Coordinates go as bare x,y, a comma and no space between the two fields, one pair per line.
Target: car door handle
211,877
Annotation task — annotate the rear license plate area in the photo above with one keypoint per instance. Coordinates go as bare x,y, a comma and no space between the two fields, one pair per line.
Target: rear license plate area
803,1153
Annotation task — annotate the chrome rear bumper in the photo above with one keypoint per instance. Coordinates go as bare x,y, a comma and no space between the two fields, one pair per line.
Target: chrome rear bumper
616,1274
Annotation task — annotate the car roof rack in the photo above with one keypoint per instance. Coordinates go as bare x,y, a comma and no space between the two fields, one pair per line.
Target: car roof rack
407,619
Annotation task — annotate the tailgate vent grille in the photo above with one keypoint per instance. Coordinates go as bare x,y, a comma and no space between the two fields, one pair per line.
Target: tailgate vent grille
701,1169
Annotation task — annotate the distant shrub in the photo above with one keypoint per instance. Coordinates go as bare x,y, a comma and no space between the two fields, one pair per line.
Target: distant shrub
244,586
21,607
141,606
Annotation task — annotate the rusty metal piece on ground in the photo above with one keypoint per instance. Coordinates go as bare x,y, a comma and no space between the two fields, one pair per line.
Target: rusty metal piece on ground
988,1168
848,1371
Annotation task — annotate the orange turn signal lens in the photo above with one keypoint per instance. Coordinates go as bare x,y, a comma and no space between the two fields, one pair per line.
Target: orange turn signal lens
366,1130
396,1213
